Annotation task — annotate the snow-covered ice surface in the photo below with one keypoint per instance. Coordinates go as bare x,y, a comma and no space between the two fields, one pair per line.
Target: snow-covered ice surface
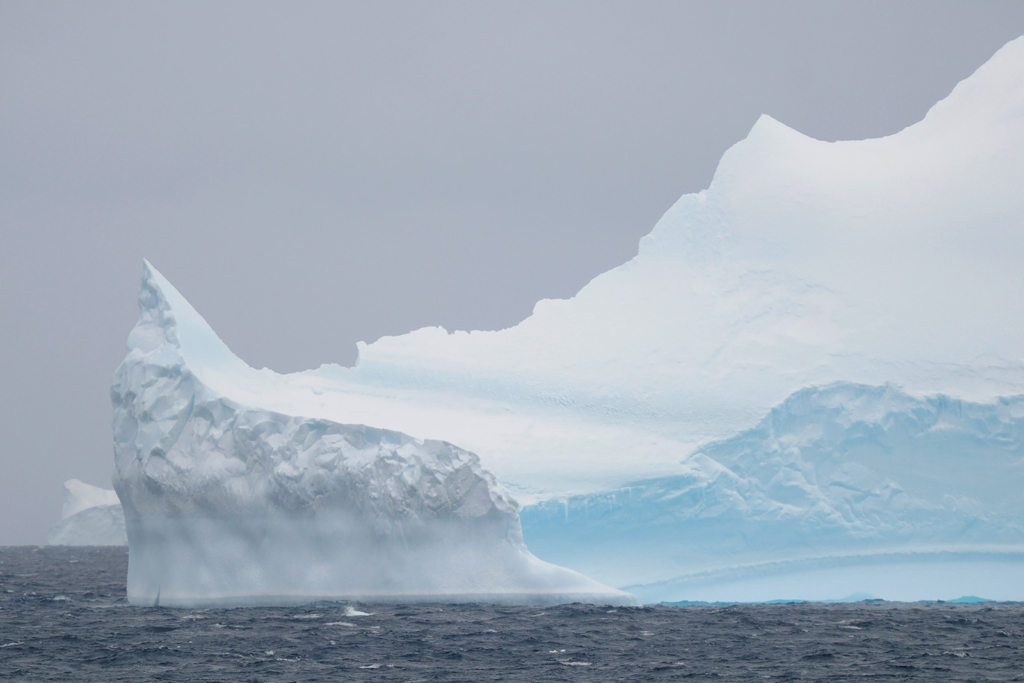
892,260
90,516
889,265
234,504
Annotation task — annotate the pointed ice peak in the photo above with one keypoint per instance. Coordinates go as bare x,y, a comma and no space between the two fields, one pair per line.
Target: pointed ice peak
768,143
182,325
981,115
766,126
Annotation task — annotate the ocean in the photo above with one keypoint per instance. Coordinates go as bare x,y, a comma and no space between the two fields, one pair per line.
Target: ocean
64,617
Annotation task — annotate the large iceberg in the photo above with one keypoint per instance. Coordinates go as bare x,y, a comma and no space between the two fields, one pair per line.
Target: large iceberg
90,516
227,503
876,275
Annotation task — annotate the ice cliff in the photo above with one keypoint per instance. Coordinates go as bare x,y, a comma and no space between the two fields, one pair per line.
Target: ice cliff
834,477
91,516
227,503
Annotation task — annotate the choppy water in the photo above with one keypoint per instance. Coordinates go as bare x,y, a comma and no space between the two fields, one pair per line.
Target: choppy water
63,616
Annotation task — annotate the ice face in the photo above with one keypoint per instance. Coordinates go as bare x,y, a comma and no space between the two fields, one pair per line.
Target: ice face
839,489
233,504
91,516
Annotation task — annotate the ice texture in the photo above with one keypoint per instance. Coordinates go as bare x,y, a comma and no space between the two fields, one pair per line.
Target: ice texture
233,504
837,478
90,516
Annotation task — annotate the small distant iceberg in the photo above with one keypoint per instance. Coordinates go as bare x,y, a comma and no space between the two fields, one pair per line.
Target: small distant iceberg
968,600
90,516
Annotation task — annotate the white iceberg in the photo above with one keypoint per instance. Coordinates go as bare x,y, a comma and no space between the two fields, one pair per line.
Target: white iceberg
892,262
227,503
91,516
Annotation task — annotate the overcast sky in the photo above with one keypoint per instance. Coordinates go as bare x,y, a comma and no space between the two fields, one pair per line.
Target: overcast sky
314,174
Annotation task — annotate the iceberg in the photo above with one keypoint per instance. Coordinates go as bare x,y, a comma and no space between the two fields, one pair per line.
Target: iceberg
234,504
808,370
90,516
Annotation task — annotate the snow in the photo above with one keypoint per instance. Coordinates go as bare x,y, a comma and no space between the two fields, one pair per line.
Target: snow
856,285
91,516
231,504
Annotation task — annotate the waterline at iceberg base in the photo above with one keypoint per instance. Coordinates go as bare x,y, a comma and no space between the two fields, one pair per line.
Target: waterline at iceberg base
233,505
909,576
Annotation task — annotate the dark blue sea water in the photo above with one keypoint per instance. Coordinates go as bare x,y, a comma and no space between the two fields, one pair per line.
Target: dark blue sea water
64,617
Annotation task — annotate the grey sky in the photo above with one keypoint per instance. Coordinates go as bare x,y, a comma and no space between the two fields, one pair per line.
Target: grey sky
314,174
